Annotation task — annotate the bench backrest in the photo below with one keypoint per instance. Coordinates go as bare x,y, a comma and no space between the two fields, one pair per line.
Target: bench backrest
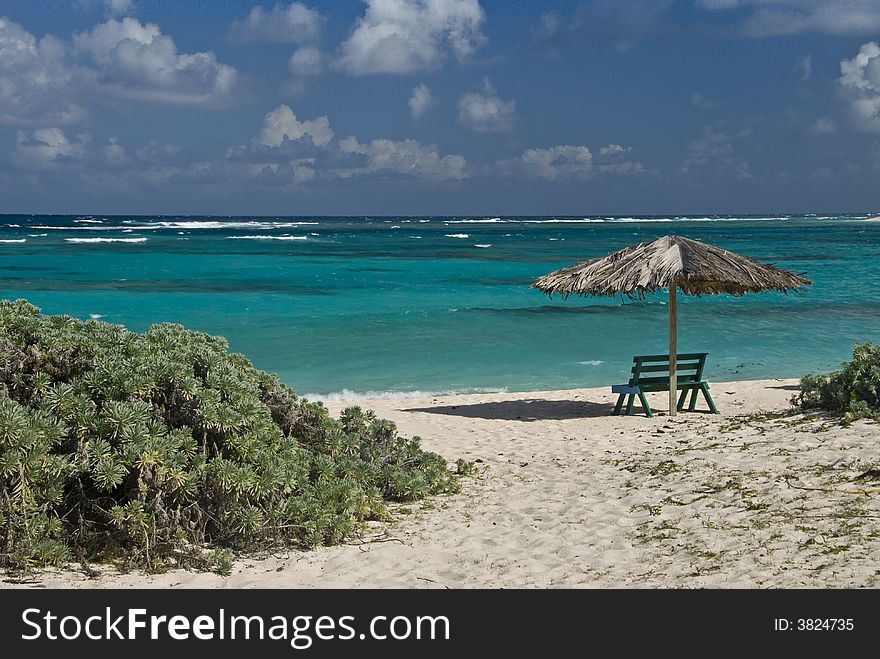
654,369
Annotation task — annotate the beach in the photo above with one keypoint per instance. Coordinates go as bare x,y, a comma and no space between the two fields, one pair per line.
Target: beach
567,495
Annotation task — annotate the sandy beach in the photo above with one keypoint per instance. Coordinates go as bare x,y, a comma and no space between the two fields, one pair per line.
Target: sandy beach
570,496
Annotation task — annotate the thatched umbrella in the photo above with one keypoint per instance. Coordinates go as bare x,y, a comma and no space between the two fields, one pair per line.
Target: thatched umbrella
669,263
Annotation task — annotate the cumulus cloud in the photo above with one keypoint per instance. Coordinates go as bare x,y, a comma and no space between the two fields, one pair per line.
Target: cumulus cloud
293,23
46,148
406,36
406,157
281,125
770,18
567,161
37,82
306,61
485,112
420,100
290,151
558,161
135,60
614,150
860,80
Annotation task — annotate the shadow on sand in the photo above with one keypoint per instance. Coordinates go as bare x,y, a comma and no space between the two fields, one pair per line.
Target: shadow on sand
530,409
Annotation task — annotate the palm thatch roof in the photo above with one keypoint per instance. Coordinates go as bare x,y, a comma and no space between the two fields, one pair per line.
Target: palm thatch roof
695,267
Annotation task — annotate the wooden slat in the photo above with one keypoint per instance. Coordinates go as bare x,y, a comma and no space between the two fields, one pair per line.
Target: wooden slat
660,368
662,380
661,358
682,384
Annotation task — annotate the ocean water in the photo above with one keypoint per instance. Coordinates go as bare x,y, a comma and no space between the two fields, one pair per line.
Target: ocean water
347,306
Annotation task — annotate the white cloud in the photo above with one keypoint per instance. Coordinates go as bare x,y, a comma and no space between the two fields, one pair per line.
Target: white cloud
803,66
37,83
281,124
558,161
406,157
289,151
306,61
614,150
420,100
405,36
823,126
293,23
769,18
46,148
485,112
118,7
860,79
862,72
135,60
566,161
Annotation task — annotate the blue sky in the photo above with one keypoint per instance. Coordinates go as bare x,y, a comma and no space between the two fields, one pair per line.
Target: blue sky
439,106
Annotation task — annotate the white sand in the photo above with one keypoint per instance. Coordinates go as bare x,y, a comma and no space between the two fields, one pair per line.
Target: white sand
571,496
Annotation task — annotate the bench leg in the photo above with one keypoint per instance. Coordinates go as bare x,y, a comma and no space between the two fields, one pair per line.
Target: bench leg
680,406
645,405
705,388
693,404
619,404
629,405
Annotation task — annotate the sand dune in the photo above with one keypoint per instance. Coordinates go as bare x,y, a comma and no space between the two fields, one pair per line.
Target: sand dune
570,496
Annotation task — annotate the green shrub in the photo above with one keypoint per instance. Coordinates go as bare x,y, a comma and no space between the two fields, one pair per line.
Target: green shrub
144,448
853,391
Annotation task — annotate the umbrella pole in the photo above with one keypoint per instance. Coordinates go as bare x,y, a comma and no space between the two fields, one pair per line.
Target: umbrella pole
673,352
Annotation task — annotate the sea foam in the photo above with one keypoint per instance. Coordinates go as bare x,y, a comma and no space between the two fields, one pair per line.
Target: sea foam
347,395
106,240
267,237
491,220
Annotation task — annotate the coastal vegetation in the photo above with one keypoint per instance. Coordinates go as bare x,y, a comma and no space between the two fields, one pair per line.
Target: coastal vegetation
164,449
853,391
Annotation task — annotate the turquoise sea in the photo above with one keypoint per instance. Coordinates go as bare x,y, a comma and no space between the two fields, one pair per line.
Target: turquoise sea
340,306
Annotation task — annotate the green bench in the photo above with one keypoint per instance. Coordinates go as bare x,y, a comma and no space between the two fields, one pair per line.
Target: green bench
651,373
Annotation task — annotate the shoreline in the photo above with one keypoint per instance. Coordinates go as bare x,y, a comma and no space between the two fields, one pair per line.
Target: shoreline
568,496
593,396
365,398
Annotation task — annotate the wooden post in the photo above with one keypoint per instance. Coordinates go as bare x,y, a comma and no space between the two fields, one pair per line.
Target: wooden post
673,352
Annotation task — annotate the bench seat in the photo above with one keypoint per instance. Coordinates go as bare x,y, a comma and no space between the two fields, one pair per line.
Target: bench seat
650,373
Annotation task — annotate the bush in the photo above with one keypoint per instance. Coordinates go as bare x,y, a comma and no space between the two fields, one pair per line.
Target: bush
853,391
144,448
